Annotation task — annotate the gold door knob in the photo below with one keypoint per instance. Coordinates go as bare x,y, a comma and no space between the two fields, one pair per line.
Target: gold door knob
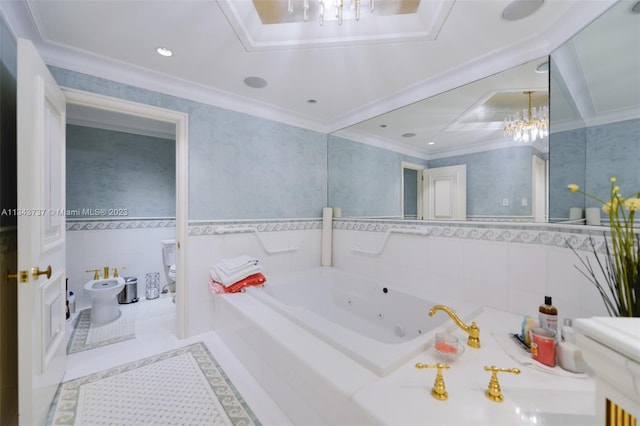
493,391
439,391
36,272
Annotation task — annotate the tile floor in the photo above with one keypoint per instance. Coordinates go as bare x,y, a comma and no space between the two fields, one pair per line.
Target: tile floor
155,334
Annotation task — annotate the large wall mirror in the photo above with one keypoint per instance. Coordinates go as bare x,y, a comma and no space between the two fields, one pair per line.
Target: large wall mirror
506,180
595,113
460,127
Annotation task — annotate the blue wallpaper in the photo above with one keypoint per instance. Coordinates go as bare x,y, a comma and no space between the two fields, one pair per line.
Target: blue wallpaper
364,181
240,166
589,157
493,176
566,165
410,194
132,173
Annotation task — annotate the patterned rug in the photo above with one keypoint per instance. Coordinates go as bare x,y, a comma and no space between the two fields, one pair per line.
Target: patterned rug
185,386
87,336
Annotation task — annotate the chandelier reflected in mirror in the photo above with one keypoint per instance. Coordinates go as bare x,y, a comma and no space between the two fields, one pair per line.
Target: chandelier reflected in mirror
531,125
337,6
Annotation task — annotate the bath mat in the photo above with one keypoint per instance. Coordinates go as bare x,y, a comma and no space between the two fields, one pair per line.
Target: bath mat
88,336
185,386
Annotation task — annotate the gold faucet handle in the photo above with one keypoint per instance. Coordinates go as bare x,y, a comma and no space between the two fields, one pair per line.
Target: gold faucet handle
95,273
115,271
439,390
493,391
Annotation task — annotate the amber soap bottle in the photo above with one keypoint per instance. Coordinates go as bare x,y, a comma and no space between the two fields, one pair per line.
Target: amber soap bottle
548,315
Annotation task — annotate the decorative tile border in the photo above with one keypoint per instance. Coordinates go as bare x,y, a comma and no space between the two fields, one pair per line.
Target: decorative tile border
203,228
555,235
110,224
182,386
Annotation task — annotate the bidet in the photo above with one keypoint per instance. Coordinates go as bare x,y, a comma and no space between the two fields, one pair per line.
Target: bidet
104,303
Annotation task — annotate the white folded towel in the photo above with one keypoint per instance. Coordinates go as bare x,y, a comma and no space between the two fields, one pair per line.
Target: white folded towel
242,269
236,263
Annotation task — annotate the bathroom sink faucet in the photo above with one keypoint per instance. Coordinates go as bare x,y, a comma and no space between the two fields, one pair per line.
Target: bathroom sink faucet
472,330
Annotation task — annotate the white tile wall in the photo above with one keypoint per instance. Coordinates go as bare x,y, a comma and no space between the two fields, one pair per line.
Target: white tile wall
139,250
207,250
510,276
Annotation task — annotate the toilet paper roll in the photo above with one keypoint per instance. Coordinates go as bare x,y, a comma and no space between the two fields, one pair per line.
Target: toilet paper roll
593,216
327,231
575,213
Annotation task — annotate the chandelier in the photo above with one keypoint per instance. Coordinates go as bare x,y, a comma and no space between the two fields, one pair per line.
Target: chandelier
533,123
337,5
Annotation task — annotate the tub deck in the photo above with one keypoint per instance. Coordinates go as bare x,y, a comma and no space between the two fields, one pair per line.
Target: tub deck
316,384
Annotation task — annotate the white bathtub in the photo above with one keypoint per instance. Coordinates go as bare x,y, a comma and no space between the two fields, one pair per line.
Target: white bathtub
374,323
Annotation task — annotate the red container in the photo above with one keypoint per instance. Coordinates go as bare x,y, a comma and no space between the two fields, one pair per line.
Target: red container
543,346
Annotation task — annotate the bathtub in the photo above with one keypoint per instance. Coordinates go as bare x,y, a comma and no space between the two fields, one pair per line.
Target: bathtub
376,324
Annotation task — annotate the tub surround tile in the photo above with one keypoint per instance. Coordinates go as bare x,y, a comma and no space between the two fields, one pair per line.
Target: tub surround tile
526,267
311,381
207,246
484,262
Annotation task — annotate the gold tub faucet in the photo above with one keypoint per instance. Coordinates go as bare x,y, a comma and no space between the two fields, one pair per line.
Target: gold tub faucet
472,330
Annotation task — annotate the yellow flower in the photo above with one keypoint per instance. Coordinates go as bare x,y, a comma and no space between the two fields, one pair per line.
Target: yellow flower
632,204
618,273
606,208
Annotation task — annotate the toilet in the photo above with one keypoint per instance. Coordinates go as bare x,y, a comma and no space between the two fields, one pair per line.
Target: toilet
104,300
169,260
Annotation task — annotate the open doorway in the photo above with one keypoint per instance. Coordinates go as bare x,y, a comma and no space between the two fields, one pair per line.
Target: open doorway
120,115
411,194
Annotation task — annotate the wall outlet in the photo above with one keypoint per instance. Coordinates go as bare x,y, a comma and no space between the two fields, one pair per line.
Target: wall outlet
525,202
505,202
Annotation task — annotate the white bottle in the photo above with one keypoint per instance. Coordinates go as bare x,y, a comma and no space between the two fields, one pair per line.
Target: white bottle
72,303
566,332
568,353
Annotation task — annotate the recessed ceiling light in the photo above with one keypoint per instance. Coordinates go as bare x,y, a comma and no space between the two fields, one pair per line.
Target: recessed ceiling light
431,143
312,101
163,51
383,125
255,82
543,68
408,135
519,9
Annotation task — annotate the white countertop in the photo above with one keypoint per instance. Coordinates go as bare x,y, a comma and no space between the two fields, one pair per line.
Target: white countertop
531,397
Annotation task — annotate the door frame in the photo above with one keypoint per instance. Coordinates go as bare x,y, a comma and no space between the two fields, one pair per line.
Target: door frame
180,120
419,171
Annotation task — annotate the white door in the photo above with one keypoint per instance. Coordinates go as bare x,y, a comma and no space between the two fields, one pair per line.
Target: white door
539,198
446,193
41,236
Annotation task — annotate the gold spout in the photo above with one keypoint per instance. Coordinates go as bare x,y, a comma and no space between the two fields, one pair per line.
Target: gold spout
106,272
472,330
